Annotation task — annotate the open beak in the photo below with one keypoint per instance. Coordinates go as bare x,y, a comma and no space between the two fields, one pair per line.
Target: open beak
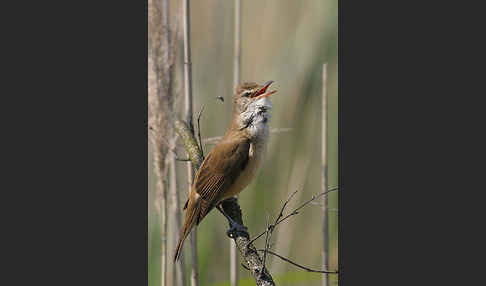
261,93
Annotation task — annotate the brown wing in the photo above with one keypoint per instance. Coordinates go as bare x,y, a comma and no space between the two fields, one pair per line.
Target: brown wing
218,173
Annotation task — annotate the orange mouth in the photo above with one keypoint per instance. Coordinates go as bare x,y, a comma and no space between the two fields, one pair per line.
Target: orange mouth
261,93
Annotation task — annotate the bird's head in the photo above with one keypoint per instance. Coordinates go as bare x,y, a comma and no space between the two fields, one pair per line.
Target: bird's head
252,105
249,93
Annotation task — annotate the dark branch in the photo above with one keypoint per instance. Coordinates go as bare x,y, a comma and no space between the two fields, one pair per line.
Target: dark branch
190,143
247,251
298,265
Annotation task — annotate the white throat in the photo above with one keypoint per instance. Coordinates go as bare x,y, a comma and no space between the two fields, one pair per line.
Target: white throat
256,118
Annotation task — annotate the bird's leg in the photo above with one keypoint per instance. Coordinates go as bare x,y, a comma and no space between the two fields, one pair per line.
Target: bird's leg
235,228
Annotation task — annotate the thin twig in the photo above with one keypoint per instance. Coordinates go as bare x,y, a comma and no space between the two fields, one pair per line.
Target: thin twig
321,205
199,130
284,205
271,227
298,265
266,244
294,212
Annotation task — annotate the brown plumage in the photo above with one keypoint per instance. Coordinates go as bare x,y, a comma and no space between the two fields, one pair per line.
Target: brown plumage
233,162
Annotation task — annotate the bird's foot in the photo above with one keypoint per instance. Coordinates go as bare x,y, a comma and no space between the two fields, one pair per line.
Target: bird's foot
236,230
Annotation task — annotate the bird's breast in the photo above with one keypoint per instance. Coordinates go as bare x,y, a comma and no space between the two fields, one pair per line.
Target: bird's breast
255,158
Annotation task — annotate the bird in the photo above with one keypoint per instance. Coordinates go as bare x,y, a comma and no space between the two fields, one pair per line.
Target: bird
234,161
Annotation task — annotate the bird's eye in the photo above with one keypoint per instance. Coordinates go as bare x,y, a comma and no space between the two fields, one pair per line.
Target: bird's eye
247,93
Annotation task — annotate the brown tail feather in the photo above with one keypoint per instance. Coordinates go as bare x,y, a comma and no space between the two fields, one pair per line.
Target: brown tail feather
192,213
179,247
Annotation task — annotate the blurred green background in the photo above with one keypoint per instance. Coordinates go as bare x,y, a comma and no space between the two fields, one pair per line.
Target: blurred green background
286,41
